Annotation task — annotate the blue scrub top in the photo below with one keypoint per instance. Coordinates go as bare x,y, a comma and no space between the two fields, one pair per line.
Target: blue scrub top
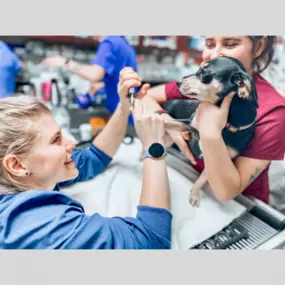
9,68
36,219
113,54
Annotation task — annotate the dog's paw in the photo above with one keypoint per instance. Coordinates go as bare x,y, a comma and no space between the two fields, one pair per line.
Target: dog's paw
194,197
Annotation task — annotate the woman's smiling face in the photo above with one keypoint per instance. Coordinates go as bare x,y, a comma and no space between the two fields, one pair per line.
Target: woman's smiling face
240,48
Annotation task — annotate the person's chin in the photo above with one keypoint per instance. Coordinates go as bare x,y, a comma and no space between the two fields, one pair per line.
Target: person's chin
71,174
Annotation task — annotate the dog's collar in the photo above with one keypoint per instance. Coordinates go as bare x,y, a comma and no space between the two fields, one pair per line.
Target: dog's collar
235,129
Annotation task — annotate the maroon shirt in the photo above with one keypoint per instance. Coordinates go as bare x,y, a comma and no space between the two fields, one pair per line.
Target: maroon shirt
268,142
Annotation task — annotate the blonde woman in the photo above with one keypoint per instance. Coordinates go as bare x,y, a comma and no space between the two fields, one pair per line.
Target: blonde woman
35,160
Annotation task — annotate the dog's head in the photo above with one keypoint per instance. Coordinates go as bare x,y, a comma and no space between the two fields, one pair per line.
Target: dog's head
216,78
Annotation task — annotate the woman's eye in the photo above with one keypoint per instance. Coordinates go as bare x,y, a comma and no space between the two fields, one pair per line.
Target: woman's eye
230,44
57,140
209,45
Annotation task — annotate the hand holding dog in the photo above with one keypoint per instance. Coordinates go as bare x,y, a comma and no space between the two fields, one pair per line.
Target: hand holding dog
211,119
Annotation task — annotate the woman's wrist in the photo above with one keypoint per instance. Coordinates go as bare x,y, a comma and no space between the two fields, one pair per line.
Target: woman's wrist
150,142
124,109
210,135
72,66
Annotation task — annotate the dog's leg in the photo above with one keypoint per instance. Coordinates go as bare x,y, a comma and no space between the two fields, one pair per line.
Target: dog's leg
168,141
194,197
175,125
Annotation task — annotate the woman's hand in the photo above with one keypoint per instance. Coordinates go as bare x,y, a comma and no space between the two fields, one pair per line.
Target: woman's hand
211,119
95,87
54,61
128,79
149,126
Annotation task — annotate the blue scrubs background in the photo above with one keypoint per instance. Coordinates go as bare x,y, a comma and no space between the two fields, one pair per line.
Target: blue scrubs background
113,54
10,65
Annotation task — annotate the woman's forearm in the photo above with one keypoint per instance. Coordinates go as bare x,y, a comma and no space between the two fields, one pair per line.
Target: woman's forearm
155,97
114,132
93,73
151,104
222,174
155,189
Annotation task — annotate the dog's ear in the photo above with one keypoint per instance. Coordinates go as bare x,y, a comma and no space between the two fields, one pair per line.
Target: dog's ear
245,87
174,125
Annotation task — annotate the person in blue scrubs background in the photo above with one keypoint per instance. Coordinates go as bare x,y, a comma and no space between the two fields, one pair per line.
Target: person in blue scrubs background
113,54
10,65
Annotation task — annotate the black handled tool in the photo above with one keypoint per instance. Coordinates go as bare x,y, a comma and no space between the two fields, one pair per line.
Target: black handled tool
132,92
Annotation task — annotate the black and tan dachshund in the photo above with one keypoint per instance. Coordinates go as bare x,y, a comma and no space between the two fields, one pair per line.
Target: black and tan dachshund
215,80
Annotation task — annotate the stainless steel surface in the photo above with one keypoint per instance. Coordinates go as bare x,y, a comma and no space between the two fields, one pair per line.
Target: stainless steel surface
261,234
275,242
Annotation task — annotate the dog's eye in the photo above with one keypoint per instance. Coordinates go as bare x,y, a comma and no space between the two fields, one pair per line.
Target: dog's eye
205,76
203,71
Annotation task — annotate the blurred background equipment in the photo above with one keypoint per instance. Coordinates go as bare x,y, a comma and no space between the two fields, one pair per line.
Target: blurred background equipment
75,99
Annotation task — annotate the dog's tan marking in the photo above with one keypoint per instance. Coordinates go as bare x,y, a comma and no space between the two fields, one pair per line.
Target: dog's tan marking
205,92
244,90
204,64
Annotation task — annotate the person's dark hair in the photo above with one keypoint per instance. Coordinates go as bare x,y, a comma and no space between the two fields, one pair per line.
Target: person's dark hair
261,62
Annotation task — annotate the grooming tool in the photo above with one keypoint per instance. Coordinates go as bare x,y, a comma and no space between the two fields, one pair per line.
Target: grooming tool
132,92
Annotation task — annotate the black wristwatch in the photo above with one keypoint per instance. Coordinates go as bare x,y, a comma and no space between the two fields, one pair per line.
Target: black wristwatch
156,151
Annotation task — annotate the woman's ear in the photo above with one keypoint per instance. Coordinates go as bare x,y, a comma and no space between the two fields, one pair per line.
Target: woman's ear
260,46
14,166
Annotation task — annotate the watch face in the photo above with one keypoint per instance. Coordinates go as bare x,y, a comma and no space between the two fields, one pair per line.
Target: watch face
156,150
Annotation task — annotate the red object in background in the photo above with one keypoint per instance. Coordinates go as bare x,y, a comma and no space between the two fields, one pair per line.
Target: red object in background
140,58
46,91
279,40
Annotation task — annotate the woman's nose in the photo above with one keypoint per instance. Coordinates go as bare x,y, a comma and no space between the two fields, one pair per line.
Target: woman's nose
218,51
69,146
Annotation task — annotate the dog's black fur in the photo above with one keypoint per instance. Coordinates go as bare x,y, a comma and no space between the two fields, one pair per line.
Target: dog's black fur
213,82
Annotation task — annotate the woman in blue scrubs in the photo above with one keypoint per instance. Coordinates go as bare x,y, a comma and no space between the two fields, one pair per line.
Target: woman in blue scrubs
36,160
113,54
10,65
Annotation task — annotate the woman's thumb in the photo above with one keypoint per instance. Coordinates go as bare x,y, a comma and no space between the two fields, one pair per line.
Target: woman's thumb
227,101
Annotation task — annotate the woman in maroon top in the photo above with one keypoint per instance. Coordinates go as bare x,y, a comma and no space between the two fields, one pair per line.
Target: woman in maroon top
247,173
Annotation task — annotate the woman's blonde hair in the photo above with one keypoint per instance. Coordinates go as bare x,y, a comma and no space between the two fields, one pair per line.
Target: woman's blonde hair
18,132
